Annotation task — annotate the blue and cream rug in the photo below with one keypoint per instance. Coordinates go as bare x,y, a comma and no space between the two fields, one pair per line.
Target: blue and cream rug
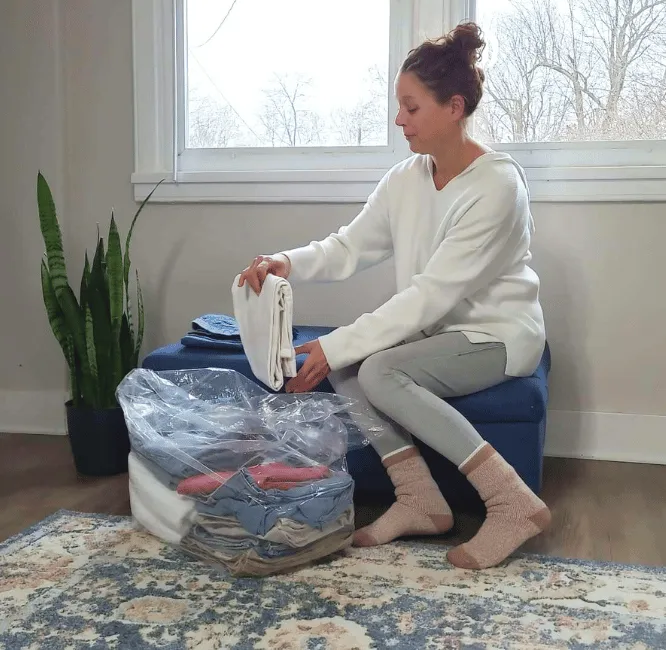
92,581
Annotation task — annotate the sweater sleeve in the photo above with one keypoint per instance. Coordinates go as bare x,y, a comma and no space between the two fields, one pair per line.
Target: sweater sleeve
475,250
366,241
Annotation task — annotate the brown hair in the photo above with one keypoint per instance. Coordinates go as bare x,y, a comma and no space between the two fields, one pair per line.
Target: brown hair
447,66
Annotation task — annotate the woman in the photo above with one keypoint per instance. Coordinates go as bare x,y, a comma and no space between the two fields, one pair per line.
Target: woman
455,216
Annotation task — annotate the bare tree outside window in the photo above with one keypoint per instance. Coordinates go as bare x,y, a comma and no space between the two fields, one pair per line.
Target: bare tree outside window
211,124
286,119
366,123
567,70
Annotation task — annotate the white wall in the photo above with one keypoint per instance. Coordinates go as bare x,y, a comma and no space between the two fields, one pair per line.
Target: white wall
32,136
600,263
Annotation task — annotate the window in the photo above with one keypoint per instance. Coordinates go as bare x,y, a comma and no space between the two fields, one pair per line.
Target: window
292,100
289,82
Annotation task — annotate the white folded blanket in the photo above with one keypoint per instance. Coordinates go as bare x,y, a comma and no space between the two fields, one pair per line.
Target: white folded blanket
161,511
265,324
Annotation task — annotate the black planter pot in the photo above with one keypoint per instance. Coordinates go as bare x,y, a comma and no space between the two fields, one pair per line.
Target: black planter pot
99,440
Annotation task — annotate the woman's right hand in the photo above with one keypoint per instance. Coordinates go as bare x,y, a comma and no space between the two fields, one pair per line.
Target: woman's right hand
261,266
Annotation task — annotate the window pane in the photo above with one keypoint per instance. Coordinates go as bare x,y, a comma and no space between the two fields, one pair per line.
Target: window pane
285,73
568,70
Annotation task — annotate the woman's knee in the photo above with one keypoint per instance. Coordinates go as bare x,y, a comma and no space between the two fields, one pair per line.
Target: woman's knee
374,372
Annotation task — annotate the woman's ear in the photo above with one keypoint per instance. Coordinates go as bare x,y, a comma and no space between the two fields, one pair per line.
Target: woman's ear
457,104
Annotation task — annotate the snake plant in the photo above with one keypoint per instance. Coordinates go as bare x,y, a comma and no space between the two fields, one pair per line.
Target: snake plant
95,330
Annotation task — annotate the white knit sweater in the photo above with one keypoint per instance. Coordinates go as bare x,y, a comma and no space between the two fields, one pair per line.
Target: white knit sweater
461,259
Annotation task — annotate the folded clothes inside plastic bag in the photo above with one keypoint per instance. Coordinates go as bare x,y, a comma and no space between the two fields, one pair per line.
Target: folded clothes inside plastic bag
238,476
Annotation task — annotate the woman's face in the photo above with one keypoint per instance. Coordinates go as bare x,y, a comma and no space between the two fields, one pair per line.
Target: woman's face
427,124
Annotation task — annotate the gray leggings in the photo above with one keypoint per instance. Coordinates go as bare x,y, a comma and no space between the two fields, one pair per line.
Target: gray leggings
406,386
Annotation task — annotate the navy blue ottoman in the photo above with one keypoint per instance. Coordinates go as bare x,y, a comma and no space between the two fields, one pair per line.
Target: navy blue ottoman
511,417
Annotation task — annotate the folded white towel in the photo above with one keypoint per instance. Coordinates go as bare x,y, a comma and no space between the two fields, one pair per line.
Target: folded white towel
265,324
161,511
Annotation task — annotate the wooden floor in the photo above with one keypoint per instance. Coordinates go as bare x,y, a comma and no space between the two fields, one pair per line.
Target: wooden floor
603,511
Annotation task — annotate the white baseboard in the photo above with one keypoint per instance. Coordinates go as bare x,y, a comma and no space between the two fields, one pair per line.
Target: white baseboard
33,411
625,437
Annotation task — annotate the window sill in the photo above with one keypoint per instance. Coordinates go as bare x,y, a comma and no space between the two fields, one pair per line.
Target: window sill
547,185
335,186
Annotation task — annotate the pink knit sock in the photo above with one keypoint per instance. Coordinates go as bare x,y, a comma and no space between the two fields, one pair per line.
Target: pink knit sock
420,508
514,512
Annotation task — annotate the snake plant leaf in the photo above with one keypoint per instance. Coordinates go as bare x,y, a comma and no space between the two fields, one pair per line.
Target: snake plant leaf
59,328
75,321
114,269
98,275
96,282
55,316
128,312
140,327
99,305
126,346
85,279
90,342
114,274
50,229
74,376
55,260
102,326
102,337
127,261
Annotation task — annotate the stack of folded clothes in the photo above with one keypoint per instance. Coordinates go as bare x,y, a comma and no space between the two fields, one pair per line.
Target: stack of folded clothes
217,332
267,518
257,520
237,476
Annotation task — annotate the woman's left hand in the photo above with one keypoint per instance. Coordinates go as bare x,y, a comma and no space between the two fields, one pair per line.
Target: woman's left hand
315,368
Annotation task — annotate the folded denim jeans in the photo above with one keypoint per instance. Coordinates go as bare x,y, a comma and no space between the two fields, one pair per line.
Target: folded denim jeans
315,504
230,547
287,532
227,538
249,563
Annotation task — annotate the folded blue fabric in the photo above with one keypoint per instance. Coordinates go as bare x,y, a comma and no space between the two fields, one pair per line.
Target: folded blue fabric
195,340
218,326
217,332
214,331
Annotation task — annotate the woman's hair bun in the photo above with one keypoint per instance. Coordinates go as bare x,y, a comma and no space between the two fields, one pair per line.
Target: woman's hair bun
467,40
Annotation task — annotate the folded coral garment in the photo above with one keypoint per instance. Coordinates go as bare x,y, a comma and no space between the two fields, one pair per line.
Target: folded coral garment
265,325
269,475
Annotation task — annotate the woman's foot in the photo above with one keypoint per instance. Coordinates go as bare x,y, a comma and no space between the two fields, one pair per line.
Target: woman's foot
514,512
420,508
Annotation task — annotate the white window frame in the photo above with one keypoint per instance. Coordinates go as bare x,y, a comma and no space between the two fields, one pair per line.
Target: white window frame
559,172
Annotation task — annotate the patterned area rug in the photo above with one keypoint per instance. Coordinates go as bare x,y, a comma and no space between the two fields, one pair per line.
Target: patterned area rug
80,581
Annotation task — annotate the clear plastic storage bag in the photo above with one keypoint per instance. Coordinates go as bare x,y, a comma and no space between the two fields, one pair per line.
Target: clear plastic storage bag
254,481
